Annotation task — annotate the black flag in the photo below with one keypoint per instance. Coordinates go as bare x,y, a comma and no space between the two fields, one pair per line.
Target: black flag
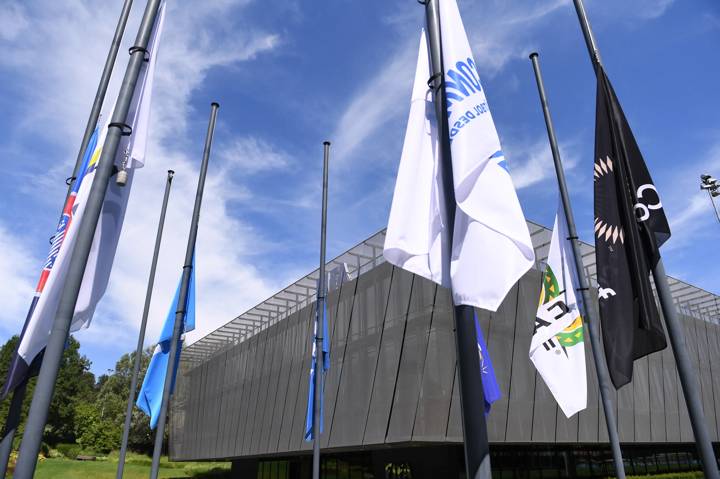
630,226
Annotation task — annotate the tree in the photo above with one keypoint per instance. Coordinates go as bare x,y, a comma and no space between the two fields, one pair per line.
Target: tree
75,384
99,424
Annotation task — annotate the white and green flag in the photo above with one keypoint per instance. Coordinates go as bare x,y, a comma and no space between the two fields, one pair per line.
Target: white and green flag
557,347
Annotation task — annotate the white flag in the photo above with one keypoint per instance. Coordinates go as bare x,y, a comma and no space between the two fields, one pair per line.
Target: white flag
491,246
131,155
557,347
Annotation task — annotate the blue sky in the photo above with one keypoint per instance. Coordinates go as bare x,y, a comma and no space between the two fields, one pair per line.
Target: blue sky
290,74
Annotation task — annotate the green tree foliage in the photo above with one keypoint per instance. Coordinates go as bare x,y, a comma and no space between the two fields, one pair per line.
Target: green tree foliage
84,411
112,402
75,384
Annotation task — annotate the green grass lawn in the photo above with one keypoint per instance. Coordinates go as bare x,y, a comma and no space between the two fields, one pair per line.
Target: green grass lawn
106,469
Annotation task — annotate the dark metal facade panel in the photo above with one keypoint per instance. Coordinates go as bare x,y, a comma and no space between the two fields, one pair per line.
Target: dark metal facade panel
625,417
705,376
297,421
672,403
282,383
393,379
658,432
240,395
522,379
340,334
686,433
232,404
500,343
714,348
589,418
412,361
261,431
388,360
361,355
431,416
251,383
544,413
219,414
297,370
454,429
641,400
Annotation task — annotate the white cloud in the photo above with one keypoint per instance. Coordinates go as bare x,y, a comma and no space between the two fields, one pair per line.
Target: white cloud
69,44
498,32
16,266
253,155
12,21
532,163
688,208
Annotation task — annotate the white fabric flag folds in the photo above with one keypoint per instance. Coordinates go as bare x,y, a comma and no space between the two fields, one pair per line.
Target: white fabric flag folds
557,348
491,247
130,155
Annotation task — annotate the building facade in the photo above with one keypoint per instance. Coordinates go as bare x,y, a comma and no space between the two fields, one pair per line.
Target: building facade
392,408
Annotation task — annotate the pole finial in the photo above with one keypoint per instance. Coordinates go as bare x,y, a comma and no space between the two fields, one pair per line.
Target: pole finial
215,104
326,142
171,173
533,55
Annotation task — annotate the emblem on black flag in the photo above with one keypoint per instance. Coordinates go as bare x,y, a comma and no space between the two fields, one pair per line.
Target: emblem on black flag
630,226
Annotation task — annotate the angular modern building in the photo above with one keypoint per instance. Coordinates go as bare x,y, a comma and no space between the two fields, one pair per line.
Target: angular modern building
391,395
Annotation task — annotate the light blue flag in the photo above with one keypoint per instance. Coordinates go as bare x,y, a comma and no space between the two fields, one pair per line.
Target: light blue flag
491,390
309,415
150,397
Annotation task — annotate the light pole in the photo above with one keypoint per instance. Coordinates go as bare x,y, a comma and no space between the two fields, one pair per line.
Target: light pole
712,186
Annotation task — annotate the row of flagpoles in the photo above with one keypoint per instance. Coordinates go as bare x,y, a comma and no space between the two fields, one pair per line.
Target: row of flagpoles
455,219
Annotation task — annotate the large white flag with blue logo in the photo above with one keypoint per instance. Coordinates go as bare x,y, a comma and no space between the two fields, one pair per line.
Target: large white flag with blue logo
491,247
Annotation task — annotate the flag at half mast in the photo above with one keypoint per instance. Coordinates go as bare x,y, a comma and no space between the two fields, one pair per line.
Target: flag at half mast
151,392
130,156
557,349
491,247
630,227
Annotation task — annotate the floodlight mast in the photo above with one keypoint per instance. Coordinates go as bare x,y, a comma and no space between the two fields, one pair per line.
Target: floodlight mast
712,186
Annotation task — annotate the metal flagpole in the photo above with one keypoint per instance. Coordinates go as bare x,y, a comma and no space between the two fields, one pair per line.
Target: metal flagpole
182,297
11,424
320,318
143,325
477,451
13,419
101,90
37,417
591,318
688,377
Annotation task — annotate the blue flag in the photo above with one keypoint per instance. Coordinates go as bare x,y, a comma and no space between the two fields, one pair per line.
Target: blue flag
310,414
150,398
491,390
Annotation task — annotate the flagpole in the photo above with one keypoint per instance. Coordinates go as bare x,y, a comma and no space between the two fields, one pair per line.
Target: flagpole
320,319
11,424
477,451
591,318
182,297
688,377
143,325
13,418
101,91
32,437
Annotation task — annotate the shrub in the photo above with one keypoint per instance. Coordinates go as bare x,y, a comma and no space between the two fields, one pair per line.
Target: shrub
70,451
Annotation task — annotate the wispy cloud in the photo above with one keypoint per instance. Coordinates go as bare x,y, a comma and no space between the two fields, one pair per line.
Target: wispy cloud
16,266
70,42
253,155
689,209
532,162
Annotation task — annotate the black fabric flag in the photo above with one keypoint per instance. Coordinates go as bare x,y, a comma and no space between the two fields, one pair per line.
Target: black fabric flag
630,226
